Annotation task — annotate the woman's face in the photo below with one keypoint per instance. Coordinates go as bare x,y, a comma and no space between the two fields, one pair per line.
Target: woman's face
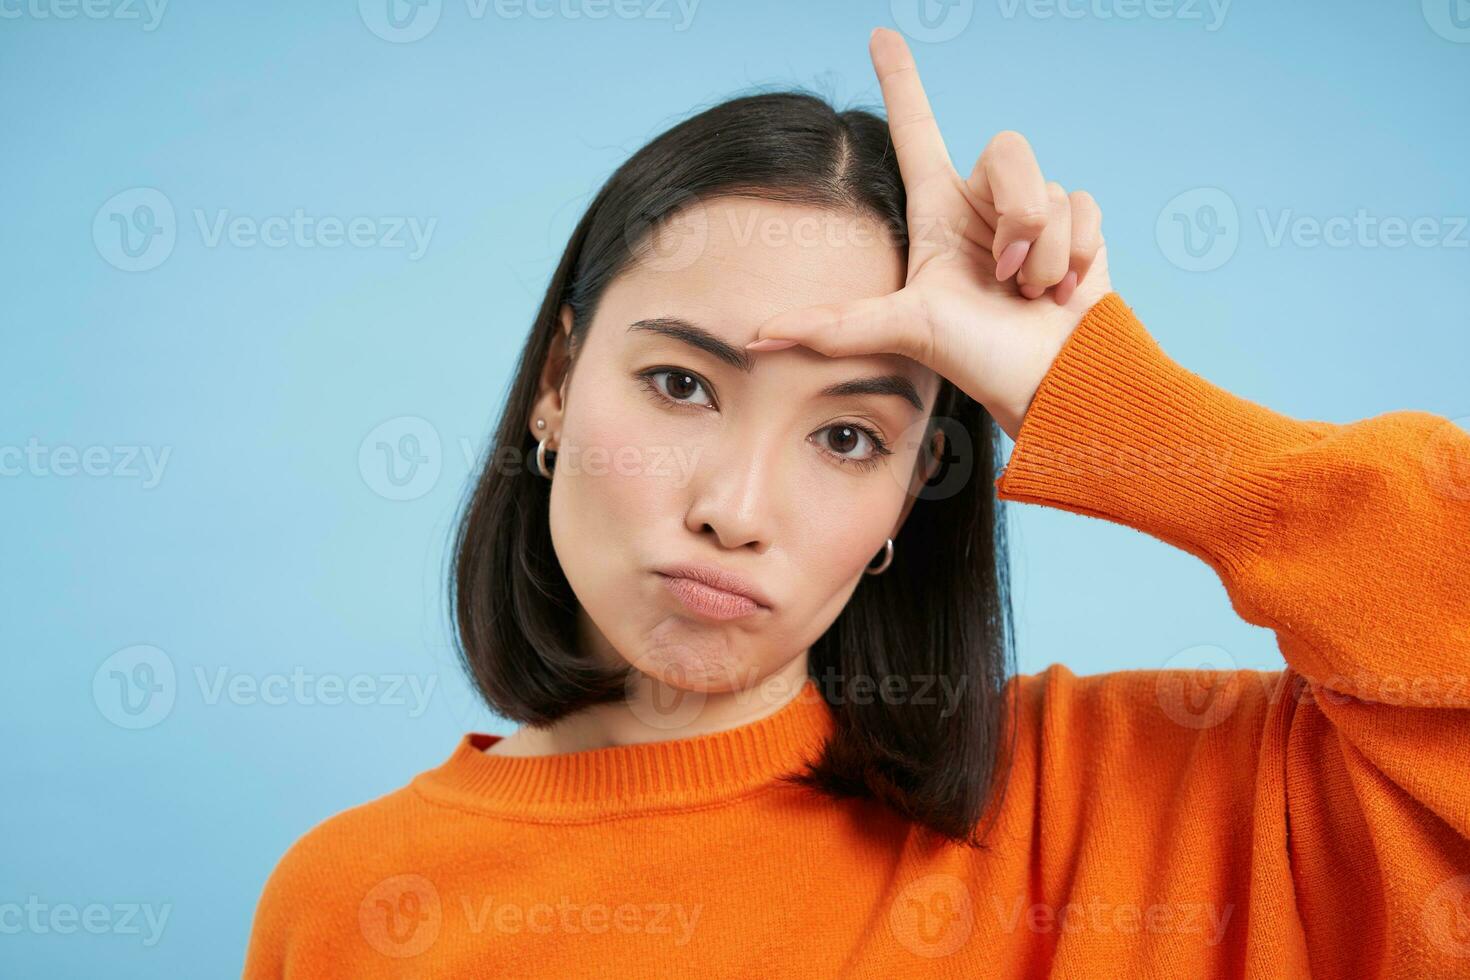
668,453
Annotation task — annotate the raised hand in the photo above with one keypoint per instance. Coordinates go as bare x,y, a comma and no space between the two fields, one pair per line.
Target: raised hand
983,255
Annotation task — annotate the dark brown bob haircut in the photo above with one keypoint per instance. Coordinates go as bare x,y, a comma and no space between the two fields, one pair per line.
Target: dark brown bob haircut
941,612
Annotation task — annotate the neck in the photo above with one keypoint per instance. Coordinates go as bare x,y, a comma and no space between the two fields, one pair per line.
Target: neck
659,712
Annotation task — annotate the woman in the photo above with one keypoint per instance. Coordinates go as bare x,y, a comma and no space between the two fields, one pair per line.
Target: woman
736,566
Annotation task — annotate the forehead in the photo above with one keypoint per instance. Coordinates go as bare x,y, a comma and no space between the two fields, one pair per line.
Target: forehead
731,263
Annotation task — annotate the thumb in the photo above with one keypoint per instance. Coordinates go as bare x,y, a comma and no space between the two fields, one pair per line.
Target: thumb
891,324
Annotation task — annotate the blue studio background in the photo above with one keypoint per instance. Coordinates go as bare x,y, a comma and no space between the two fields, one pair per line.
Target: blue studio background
193,493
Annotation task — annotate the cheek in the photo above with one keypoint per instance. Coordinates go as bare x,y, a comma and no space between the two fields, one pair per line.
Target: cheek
841,529
618,479
615,486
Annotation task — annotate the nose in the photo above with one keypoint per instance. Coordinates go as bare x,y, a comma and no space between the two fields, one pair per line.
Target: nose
736,491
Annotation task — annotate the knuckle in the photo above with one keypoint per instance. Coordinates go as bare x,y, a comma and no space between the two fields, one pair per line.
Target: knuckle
1047,275
1032,218
1056,192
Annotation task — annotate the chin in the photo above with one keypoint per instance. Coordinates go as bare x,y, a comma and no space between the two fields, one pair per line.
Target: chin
695,660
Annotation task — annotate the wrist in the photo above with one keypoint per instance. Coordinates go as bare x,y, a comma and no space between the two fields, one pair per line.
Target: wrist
1038,353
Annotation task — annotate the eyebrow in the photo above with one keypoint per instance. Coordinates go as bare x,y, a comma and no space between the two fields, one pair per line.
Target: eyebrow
701,339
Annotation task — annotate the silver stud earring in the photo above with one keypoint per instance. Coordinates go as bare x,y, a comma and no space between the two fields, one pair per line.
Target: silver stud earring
887,559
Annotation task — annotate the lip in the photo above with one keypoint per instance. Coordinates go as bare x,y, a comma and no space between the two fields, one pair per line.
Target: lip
712,591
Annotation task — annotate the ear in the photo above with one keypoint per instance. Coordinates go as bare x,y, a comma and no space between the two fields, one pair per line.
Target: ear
555,373
926,464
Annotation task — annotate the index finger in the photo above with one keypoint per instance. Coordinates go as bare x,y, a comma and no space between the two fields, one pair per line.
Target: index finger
916,139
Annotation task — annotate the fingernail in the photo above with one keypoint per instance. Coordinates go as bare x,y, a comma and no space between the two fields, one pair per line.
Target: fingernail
1032,292
770,343
1011,259
1065,287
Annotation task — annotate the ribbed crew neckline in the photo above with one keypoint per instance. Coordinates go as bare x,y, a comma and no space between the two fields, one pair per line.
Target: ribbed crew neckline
670,774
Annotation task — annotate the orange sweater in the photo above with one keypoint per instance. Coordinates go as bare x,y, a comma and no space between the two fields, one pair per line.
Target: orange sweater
1257,824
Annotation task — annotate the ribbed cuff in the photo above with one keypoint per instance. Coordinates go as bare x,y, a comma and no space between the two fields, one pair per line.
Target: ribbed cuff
1120,431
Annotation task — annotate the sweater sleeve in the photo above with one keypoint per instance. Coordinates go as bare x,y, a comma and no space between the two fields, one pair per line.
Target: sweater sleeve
1352,543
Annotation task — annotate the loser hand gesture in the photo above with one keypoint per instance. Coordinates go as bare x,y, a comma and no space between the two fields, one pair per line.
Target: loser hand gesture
1001,266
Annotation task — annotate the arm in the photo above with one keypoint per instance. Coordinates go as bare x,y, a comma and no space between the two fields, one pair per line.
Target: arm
1352,543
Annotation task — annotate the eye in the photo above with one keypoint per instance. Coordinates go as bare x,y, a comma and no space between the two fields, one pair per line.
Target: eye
844,439
846,443
679,385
